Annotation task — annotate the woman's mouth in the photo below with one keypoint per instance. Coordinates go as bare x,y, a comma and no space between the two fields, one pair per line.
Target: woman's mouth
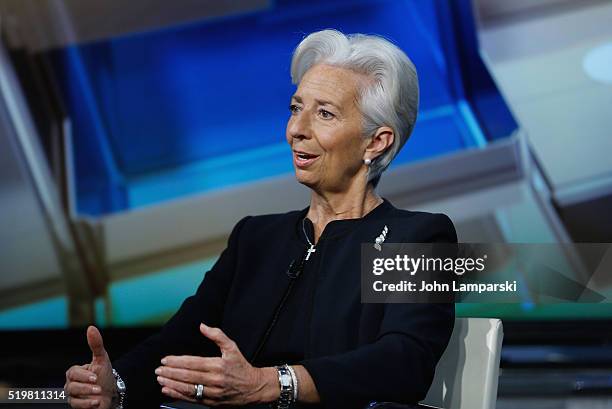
303,159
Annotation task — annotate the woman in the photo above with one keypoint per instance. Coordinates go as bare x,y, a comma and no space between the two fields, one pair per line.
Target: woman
283,319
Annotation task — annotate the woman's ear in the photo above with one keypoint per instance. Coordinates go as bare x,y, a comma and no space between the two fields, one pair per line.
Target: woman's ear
381,140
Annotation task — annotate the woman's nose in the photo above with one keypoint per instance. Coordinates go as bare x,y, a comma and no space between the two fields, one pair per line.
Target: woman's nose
299,126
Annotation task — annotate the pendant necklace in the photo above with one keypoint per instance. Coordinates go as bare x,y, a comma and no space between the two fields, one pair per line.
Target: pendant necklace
312,246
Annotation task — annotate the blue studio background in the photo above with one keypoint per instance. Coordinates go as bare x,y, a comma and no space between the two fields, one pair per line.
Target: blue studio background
177,111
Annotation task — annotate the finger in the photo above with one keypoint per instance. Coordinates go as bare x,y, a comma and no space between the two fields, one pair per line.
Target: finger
178,395
186,389
94,339
80,374
82,389
83,403
187,375
194,363
218,337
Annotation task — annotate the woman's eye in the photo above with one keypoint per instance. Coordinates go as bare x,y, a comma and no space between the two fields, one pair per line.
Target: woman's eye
293,108
326,114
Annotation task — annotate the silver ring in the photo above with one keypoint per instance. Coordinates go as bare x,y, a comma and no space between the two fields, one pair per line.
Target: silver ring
199,391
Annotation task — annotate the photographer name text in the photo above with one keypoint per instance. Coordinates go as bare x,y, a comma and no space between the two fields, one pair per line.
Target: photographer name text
434,286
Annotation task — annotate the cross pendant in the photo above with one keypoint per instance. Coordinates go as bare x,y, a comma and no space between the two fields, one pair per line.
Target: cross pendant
310,250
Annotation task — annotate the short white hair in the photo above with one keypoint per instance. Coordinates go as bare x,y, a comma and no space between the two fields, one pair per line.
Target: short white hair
391,99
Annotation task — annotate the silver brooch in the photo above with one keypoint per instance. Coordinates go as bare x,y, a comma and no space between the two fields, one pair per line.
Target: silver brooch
381,238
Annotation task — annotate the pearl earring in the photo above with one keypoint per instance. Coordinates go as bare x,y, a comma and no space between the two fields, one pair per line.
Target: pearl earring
367,161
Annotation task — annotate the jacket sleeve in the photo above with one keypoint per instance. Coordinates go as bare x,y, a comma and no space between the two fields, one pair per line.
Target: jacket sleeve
399,365
180,335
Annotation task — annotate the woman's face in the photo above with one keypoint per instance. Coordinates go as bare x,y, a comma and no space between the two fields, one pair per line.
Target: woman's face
324,129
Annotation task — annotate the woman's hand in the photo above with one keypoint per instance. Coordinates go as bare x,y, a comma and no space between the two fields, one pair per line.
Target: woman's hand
92,385
228,380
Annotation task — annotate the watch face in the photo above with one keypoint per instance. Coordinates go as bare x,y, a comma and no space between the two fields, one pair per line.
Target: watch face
285,379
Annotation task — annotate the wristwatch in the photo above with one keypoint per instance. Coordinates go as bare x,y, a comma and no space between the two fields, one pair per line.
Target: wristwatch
286,387
121,389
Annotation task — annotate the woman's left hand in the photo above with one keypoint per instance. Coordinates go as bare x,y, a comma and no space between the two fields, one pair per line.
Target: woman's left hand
228,380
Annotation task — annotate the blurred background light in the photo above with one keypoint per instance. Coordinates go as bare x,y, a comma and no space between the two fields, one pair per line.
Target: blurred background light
597,63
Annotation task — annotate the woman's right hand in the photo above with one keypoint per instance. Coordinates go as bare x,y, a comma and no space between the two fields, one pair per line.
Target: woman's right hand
92,385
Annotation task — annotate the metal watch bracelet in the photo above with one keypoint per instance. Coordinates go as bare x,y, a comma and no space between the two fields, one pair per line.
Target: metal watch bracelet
121,389
285,381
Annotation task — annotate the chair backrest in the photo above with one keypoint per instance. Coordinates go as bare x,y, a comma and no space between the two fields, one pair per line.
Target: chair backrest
467,374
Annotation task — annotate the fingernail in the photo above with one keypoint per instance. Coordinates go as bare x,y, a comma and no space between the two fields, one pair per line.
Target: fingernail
96,389
95,403
160,379
204,325
93,378
158,371
164,361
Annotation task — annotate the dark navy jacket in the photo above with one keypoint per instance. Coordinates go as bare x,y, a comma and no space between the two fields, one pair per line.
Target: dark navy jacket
355,352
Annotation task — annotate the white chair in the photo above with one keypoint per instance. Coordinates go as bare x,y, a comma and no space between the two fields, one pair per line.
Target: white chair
467,374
